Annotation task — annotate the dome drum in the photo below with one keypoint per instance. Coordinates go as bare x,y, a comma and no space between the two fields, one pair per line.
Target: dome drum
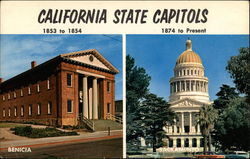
189,80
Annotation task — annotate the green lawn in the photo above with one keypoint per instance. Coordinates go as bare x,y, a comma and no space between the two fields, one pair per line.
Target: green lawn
102,125
8,125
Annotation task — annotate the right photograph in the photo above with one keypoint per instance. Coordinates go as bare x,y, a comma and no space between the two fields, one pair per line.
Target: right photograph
187,96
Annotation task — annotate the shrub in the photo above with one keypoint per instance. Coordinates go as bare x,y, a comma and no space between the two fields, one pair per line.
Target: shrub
28,131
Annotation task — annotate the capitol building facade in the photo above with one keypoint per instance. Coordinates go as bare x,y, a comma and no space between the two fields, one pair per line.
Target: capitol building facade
188,93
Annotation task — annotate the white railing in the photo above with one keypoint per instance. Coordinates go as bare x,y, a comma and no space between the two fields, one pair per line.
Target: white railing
90,124
110,116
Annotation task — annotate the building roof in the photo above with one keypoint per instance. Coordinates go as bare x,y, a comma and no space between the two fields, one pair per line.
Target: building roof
189,56
44,70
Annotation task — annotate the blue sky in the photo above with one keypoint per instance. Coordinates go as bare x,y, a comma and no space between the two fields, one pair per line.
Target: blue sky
17,51
158,54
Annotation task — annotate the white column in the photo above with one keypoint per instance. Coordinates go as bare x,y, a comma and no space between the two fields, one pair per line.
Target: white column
198,141
207,87
190,122
90,103
175,84
198,128
174,142
175,128
85,97
182,122
95,106
190,142
182,142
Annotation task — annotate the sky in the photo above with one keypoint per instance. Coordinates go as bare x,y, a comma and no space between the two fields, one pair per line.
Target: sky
17,51
158,55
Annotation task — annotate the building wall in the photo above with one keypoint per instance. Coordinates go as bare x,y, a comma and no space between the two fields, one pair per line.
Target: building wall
105,97
44,96
58,94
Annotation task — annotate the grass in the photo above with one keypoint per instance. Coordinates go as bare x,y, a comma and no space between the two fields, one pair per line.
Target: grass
102,125
28,131
8,125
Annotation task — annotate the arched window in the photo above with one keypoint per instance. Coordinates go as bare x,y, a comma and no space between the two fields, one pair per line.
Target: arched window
170,143
186,142
194,141
178,142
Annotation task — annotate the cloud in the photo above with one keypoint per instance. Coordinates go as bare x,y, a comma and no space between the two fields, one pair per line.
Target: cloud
72,48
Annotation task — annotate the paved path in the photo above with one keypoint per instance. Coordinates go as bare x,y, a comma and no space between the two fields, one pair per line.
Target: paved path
83,137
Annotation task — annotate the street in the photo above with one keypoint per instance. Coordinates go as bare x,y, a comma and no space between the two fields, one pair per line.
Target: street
97,149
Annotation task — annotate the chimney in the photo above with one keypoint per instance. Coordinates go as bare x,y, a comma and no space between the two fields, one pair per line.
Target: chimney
33,64
1,80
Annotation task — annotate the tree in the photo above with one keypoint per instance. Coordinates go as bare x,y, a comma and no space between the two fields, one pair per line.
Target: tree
239,68
225,94
137,82
206,119
233,125
154,113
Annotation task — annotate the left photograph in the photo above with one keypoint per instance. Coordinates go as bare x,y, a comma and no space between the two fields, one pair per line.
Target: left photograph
61,96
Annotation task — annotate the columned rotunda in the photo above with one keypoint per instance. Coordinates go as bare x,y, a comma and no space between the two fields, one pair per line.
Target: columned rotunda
188,93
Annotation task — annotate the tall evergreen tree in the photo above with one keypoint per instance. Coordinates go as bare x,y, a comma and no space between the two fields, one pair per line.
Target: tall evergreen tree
137,82
154,113
239,68
225,94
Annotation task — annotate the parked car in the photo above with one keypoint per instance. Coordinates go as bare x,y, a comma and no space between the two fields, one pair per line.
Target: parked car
238,154
210,155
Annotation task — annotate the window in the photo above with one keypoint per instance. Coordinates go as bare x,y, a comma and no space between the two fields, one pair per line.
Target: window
186,143
9,112
194,142
178,129
14,94
21,92
49,107
29,91
15,111
187,72
108,86
69,106
48,84
178,142
39,109
108,108
3,112
191,72
170,143
3,97
8,96
38,88
30,110
69,80
22,110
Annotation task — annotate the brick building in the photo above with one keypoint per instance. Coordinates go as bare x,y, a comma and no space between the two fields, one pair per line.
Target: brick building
57,91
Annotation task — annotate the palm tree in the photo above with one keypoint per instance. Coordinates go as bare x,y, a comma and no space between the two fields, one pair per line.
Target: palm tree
206,120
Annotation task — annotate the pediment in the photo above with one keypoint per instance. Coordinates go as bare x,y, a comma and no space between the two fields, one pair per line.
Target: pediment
91,57
187,102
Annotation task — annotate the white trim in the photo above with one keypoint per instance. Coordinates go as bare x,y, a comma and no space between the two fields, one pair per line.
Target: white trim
89,74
